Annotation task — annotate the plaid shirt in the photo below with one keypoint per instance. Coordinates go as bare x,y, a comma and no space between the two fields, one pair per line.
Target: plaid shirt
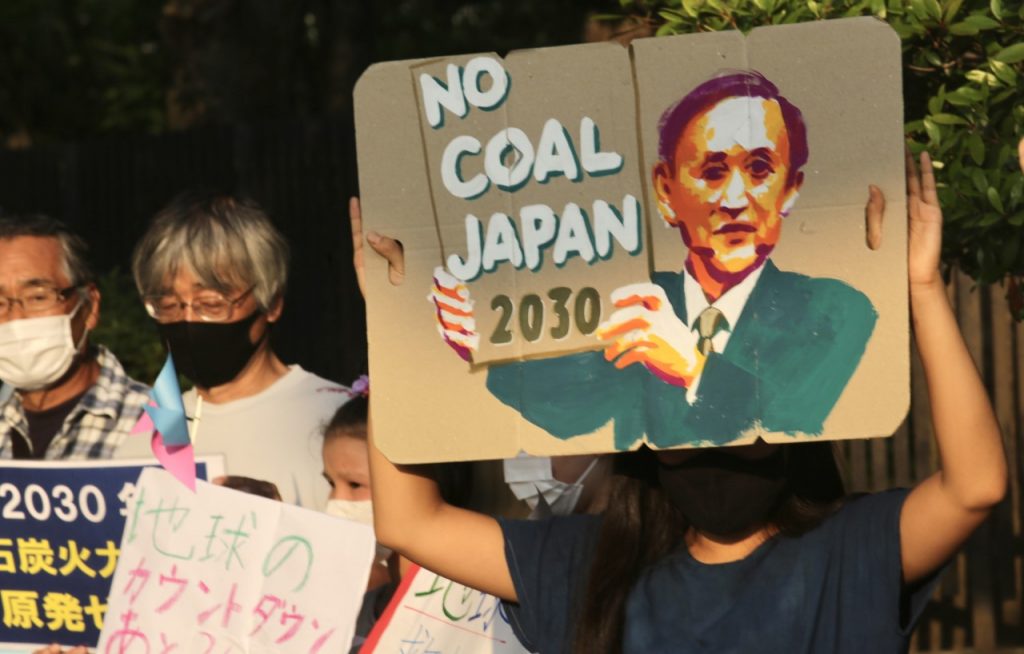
98,423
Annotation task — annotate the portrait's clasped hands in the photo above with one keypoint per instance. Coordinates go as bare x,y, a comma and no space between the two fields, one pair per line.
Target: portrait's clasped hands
644,329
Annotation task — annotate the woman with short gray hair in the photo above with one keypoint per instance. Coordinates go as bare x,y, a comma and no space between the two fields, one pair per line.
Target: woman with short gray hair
211,270
225,241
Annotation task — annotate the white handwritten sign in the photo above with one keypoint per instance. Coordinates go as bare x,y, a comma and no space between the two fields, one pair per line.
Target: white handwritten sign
222,571
433,615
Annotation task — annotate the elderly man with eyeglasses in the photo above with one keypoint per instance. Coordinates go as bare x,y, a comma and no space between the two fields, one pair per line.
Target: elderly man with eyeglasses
211,270
62,398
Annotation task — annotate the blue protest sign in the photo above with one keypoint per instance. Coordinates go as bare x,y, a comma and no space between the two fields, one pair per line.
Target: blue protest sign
60,527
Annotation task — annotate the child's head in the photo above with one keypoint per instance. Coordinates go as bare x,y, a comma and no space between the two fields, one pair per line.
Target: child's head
346,458
260,487
345,453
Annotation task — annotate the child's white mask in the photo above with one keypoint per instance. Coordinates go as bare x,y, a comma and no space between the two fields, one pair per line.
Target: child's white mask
357,511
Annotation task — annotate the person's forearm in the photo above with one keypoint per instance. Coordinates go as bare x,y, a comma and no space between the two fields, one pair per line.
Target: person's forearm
973,464
402,500
410,516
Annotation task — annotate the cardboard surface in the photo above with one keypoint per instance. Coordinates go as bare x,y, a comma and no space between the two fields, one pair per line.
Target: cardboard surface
819,347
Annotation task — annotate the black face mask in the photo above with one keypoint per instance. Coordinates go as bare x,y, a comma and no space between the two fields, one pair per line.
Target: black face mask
209,353
724,495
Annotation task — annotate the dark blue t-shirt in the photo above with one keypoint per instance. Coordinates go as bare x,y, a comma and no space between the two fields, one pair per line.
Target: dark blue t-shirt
836,589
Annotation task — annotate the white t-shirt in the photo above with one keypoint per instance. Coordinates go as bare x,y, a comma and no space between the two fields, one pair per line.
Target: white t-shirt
275,435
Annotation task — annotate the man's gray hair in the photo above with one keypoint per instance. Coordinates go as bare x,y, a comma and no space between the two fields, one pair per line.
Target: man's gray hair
227,242
73,248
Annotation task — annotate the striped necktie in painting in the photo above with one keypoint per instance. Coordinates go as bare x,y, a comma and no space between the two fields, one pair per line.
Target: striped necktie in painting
709,322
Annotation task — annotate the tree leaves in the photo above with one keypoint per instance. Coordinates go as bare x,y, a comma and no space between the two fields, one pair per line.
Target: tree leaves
995,200
976,149
1011,55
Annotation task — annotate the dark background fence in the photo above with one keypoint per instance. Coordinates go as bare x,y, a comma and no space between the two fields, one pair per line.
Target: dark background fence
303,172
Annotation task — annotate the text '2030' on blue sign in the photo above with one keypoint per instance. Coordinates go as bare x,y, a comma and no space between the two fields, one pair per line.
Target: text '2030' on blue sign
60,525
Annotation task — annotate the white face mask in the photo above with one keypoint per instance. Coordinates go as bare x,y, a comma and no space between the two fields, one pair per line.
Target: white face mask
530,478
35,352
356,511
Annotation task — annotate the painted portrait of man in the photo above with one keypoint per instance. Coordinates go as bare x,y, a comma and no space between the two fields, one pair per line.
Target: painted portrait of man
730,343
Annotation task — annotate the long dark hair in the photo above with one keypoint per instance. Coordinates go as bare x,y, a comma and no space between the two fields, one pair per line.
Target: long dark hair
641,526
349,419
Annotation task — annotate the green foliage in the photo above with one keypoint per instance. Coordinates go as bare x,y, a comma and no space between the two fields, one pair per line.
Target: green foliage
126,328
74,67
964,94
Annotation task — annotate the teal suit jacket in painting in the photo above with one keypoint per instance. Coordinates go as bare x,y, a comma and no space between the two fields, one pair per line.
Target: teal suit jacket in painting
791,352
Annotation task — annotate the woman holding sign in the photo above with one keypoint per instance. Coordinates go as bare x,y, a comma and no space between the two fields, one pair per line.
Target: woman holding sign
797,569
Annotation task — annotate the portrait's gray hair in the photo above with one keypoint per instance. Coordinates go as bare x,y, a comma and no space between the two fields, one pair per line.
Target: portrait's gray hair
227,242
73,248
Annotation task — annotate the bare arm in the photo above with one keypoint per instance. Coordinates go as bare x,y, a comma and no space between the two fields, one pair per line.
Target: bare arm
941,512
410,517
409,514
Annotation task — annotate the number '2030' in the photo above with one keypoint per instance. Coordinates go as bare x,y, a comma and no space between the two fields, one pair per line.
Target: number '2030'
89,503
586,314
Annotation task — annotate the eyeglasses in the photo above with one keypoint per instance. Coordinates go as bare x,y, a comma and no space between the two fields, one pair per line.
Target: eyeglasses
36,300
209,306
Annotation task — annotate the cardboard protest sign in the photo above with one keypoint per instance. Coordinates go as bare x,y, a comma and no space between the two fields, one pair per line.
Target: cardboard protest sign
659,245
432,614
219,570
60,525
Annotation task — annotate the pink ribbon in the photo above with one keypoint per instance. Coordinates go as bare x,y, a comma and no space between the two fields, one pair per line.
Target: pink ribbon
179,460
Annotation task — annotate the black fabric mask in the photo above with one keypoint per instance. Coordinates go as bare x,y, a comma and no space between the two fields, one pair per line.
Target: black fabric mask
724,495
209,353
